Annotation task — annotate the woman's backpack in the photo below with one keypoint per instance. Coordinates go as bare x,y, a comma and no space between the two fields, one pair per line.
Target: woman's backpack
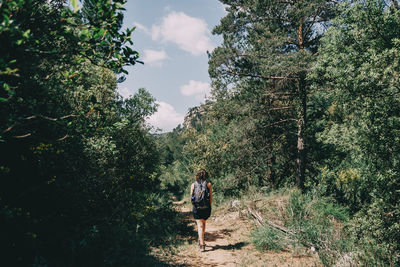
201,195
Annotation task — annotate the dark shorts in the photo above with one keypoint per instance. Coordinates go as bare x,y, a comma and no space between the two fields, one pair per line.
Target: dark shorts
201,213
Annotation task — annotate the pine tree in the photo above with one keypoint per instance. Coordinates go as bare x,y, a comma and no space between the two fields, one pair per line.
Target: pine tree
270,45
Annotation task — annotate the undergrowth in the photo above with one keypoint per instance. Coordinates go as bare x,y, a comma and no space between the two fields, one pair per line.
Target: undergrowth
312,222
317,223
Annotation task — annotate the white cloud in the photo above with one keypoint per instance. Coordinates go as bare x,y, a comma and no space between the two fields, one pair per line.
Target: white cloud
197,89
154,57
166,117
155,32
124,92
189,33
141,27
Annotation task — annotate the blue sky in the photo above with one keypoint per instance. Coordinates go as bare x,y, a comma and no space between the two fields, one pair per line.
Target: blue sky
172,37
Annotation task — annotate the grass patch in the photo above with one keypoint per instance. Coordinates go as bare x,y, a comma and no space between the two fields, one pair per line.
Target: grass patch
267,238
314,222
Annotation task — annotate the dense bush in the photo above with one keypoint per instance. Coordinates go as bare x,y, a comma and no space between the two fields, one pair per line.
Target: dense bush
78,166
361,121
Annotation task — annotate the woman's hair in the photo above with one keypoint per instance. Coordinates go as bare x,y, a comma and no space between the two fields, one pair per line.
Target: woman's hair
201,175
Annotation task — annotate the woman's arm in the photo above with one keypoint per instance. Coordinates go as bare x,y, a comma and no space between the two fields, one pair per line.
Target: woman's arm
210,188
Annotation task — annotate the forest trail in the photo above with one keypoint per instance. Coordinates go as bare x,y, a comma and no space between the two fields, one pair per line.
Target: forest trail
227,241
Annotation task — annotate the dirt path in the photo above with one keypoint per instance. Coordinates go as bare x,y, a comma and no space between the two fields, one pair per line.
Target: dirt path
226,237
227,244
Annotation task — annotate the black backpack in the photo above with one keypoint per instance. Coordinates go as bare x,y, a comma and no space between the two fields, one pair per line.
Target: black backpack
201,195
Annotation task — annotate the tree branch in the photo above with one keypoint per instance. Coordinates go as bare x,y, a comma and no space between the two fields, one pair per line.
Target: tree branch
260,76
36,117
278,122
23,136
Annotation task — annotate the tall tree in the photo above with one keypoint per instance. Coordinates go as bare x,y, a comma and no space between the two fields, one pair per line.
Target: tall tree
269,46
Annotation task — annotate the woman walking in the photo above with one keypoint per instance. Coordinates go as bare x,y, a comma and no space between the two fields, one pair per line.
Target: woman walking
201,197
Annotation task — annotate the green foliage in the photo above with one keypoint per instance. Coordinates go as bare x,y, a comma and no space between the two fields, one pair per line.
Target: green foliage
175,175
82,181
317,221
312,221
259,85
78,166
175,179
296,104
376,232
358,63
283,114
267,238
56,33
251,127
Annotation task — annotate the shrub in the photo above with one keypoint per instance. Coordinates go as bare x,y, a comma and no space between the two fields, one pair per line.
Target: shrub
314,221
267,238
376,233
175,178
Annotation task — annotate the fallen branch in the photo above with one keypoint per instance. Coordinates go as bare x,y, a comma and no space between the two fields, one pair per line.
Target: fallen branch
260,221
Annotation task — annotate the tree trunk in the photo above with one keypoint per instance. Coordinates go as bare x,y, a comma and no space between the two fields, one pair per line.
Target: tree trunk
301,127
301,119
271,171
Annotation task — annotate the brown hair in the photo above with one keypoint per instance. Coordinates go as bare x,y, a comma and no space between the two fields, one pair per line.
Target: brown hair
202,175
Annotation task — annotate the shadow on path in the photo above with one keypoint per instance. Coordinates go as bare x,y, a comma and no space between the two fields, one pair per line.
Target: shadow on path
221,234
238,245
186,227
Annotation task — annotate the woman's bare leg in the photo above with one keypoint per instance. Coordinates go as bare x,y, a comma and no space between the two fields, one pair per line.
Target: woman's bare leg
200,229
204,230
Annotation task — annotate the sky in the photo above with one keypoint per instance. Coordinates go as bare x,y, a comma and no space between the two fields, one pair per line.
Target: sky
172,37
